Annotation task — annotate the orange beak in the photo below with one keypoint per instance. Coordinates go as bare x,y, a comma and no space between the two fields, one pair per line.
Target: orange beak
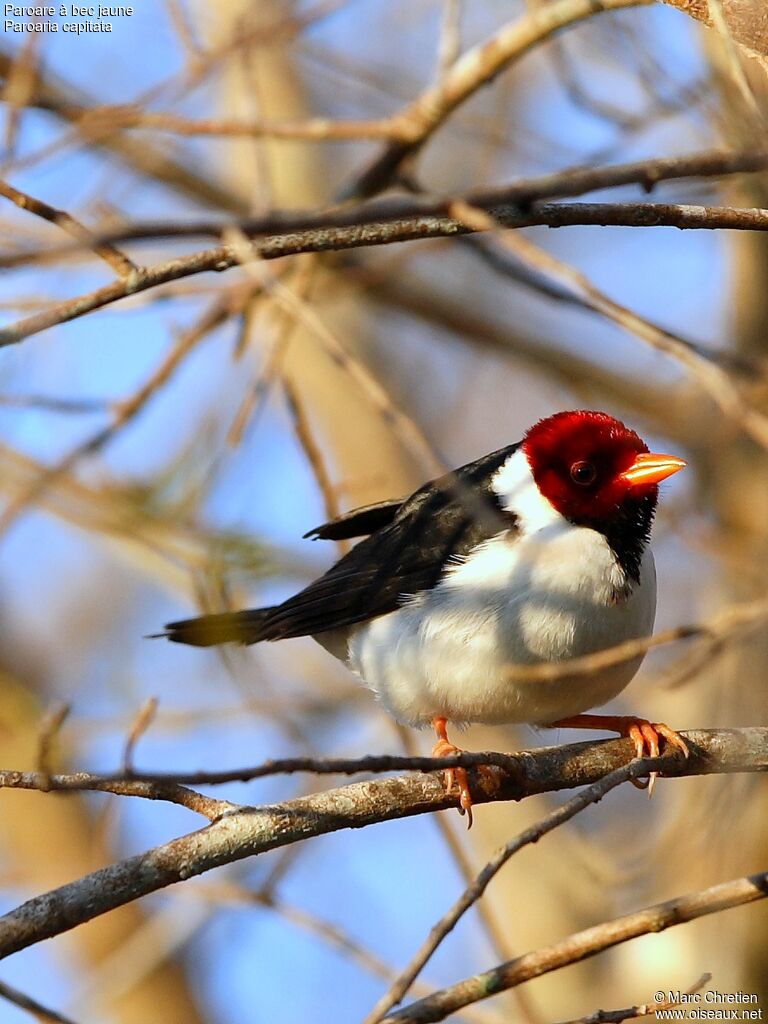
651,469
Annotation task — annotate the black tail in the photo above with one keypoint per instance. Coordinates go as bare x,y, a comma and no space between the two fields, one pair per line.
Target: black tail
228,628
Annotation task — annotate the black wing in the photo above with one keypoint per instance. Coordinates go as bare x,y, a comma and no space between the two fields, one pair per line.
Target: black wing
359,522
444,519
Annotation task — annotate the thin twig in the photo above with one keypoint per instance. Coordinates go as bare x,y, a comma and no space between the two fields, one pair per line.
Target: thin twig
285,323
711,377
524,773
143,280
51,403
591,795
20,80
248,831
42,1013
119,262
311,449
141,723
403,425
49,730
122,785
516,260
69,102
640,1010
497,936
567,184
719,627
474,69
179,18
312,129
330,933
582,945
125,410
449,46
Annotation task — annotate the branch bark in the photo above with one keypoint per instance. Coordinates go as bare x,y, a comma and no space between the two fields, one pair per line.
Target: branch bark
747,20
582,945
117,260
474,69
249,831
336,239
567,184
400,220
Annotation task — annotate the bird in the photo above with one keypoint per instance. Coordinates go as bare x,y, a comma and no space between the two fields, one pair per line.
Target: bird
536,553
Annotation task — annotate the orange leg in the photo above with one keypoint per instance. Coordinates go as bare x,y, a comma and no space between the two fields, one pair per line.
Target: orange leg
644,734
444,748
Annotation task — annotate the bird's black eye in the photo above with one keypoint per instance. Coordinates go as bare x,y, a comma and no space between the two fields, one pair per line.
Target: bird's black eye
583,473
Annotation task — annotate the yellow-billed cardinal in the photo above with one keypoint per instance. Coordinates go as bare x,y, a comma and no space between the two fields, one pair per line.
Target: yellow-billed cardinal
537,552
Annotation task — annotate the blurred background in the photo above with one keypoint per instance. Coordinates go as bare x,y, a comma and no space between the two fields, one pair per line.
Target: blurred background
199,429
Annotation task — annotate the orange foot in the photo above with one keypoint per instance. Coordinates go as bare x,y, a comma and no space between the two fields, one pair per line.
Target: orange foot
644,734
444,748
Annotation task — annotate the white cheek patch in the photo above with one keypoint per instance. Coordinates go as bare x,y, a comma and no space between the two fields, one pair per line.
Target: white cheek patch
518,493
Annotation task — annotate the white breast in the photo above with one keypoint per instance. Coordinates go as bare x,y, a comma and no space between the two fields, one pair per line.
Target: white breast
553,592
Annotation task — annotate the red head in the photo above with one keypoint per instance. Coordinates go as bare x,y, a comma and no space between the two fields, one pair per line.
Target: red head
593,469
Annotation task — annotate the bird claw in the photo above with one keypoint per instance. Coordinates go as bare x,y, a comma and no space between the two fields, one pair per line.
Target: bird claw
645,736
455,776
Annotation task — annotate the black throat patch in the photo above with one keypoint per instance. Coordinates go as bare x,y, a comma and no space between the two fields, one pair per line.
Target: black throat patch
628,531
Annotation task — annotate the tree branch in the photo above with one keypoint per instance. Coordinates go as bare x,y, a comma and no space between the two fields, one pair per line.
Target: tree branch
747,20
474,891
249,831
475,68
400,220
641,1009
336,239
41,1013
567,184
117,260
315,128
581,946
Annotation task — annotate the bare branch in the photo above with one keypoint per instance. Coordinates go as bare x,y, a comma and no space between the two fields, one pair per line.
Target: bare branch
49,731
474,69
568,281
591,795
222,257
640,1010
46,91
747,20
116,259
248,831
717,629
328,932
521,194
122,785
142,722
407,430
529,772
497,934
582,945
712,378
317,128
42,1013
449,45
149,277
311,449
389,221
129,408
52,403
